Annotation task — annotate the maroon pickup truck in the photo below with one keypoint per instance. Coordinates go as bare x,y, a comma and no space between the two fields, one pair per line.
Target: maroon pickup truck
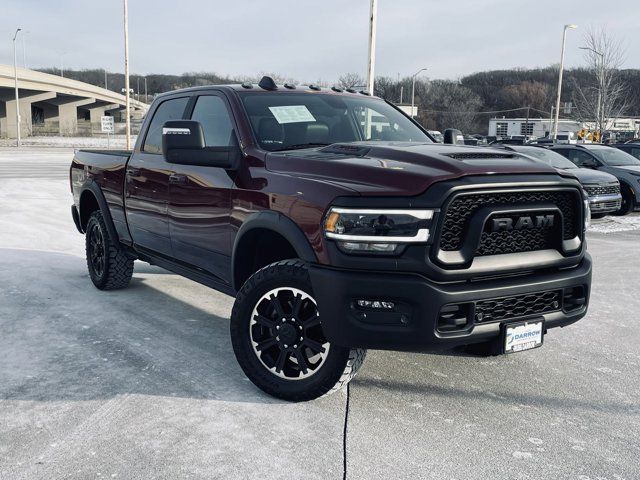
338,225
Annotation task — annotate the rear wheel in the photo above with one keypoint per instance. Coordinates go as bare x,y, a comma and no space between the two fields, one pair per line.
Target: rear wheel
109,265
277,336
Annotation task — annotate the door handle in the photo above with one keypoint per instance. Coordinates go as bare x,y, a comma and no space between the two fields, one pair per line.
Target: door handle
177,178
133,172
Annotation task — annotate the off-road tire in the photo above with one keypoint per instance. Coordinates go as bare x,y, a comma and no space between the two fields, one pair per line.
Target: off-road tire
339,366
116,266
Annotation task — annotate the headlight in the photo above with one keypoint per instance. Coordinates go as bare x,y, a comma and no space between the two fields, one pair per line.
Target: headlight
376,230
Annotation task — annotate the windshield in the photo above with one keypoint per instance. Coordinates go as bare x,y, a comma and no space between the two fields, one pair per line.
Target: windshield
286,121
614,157
547,156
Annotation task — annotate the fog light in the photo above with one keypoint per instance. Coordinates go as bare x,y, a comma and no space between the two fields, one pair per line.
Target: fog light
375,304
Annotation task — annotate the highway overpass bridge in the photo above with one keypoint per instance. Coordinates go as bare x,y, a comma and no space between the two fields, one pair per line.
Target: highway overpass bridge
50,104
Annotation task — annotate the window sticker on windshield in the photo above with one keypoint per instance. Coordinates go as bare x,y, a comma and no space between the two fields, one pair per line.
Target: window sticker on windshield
292,114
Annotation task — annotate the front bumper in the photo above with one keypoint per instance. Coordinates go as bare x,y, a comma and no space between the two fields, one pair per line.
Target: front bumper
605,203
414,323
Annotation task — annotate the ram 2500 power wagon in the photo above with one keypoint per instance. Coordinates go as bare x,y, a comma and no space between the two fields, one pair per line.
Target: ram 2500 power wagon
338,225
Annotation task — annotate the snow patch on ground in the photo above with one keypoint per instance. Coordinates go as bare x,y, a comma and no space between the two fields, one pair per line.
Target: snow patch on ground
616,224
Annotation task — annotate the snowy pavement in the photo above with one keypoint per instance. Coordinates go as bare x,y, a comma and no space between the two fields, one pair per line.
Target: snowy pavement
142,382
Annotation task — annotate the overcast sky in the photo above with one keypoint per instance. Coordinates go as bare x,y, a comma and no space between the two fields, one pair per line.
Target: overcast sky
310,40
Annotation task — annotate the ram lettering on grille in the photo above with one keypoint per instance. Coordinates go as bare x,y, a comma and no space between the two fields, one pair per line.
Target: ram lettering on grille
503,240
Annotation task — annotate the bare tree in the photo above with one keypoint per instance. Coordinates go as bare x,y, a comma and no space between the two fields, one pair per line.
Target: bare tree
606,97
351,80
449,105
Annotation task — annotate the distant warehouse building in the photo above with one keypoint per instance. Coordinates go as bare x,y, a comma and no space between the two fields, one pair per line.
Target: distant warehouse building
537,127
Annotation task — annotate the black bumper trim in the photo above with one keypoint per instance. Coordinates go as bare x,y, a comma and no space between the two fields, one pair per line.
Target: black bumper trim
419,302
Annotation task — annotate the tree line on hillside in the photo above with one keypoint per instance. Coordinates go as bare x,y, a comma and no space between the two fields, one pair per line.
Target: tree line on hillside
441,103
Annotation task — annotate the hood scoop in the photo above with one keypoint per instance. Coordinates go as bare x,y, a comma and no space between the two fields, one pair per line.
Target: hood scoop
478,155
353,150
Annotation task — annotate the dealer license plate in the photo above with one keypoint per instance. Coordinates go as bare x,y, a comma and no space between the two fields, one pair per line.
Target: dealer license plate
523,336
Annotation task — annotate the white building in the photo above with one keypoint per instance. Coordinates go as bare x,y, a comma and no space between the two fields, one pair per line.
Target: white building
537,127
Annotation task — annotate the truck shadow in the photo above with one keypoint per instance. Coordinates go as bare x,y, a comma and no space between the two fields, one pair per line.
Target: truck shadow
62,339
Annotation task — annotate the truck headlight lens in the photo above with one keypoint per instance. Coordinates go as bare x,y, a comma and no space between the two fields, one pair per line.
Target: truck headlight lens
376,231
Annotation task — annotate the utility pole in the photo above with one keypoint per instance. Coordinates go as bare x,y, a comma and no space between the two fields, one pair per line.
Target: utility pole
564,39
15,76
413,89
373,18
126,75
526,127
105,80
145,90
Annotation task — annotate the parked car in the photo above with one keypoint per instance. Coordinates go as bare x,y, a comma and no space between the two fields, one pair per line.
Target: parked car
625,167
603,188
335,233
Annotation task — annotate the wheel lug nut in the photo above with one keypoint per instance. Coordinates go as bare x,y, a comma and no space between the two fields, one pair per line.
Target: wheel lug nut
286,346
277,327
301,339
295,346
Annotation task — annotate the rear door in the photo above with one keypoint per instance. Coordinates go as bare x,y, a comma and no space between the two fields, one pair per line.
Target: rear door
147,182
200,196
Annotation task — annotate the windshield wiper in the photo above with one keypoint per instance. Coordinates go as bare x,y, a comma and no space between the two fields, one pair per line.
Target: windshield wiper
298,146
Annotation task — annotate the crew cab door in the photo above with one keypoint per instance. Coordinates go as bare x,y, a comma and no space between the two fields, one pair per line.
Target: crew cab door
147,182
200,196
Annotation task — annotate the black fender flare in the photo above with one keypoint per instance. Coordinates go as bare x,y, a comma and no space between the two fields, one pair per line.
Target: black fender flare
278,223
95,189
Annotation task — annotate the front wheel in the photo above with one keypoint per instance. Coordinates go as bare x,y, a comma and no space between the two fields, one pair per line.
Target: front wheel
277,336
109,265
628,202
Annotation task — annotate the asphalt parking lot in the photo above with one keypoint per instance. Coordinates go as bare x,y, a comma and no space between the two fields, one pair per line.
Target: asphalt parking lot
142,383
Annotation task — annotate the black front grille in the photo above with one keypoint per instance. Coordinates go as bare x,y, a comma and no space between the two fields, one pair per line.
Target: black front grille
518,306
595,190
463,207
495,243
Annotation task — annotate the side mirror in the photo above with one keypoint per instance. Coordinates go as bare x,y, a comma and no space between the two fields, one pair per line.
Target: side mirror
453,136
589,163
183,143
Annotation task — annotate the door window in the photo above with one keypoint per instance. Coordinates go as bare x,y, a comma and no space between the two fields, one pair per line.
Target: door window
212,114
172,109
579,157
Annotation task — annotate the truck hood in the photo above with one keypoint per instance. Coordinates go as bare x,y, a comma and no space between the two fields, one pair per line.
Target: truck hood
393,168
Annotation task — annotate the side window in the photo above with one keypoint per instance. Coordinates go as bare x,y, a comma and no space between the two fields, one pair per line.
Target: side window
212,114
578,157
635,151
172,109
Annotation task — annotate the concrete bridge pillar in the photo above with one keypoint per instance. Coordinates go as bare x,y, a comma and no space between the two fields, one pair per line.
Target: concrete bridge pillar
8,113
68,114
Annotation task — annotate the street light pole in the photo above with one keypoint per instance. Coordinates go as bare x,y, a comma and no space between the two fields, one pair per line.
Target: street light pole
106,87
15,77
373,19
126,75
564,39
599,116
413,89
